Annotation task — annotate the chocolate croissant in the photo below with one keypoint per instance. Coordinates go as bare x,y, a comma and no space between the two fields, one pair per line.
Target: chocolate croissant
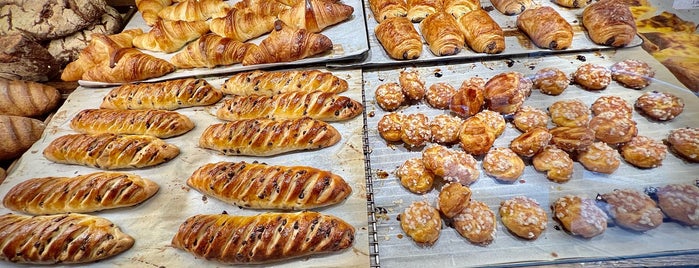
481,32
609,23
385,9
270,83
242,24
157,123
399,38
442,34
128,65
512,7
262,238
210,50
316,15
286,44
167,95
110,151
546,28
418,10
265,137
458,8
261,186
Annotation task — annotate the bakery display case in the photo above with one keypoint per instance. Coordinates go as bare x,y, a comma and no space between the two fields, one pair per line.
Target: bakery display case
338,134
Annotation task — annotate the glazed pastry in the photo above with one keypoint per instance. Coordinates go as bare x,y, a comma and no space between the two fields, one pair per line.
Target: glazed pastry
476,136
512,7
476,223
614,104
97,52
468,100
569,113
685,142
609,23
555,162
266,83
209,51
414,176
546,28
389,96
261,186
399,38
389,126
27,98
265,137
632,209
599,157
318,105
169,36
503,164
445,129
194,10
62,238
579,216
386,9
418,10
494,120
531,142
421,222
149,9
84,193
110,151
262,238
18,134
523,217
442,34
167,95
613,129
412,85
157,123
571,139
644,152
458,8
592,77
439,95
286,44
661,106
453,198
573,3
481,32
242,24
680,202
551,81
634,74
128,65
529,117
315,15
451,165
505,92
415,130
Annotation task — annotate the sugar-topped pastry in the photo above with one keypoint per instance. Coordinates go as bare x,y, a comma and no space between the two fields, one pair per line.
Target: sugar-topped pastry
421,222
634,74
476,223
632,209
571,139
415,130
453,198
592,77
555,162
523,217
439,95
476,136
445,128
551,81
451,165
611,103
644,152
412,85
680,202
529,117
580,216
468,99
505,92
661,106
599,157
389,96
569,113
493,119
389,126
414,176
531,142
503,164
611,128
685,142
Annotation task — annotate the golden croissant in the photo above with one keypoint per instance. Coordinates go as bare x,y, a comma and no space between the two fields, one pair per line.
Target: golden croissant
385,9
316,15
97,52
157,123
195,10
170,36
442,34
166,95
546,28
285,44
149,9
318,105
242,25
263,7
609,23
399,38
209,51
458,8
481,32
512,7
270,83
128,65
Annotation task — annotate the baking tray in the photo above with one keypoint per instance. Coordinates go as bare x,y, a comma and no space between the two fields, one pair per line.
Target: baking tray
554,245
516,42
154,222
349,42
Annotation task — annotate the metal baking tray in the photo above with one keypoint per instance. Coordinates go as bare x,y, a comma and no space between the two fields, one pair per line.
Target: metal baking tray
395,249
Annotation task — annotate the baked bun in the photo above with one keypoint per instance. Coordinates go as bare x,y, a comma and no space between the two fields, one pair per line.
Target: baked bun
389,96
592,77
529,117
412,85
415,130
633,210
505,92
476,136
445,128
439,95
612,128
634,74
569,113
661,106
523,217
421,222
476,223
599,157
494,120
571,139
680,202
555,162
579,216
453,198
551,81
389,126
685,142
503,164
414,176
451,165
644,152
468,99
613,104
531,142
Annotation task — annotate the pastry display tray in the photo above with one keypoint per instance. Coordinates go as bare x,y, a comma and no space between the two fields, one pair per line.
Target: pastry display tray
516,42
554,245
349,42
154,222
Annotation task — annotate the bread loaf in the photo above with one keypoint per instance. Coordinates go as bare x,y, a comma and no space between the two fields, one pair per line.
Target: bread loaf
85,193
158,123
262,238
24,59
262,186
110,151
167,95
26,98
48,19
17,134
62,238
68,48
264,137
269,83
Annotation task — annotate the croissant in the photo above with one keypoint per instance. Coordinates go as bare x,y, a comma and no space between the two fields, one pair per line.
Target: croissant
98,51
262,238
572,3
285,44
609,23
399,38
512,7
481,32
157,123
170,36
128,65
110,151
269,83
242,25
442,34
261,186
167,95
546,28
27,98
318,105
195,10
85,193
316,15
18,134
62,238
418,10
209,51
265,137
458,8
149,9
263,7
384,9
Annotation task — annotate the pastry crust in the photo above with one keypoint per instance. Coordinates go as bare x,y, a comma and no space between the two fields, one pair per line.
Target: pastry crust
439,95
389,126
128,65
571,139
453,199
167,95
580,216
414,176
27,98
503,164
523,217
266,83
551,81
476,136
442,34
573,3
18,134
546,28
494,120
458,8
157,123
505,92
476,223
634,74
555,162
680,202
512,7
569,113
451,165
633,210
612,128
445,129
592,77
389,96
209,51
661,106
599,157
614,104
481,32
529,117
415,130
399,38
171,35
194,10
421,222
412,85
685,142
242,24
531,142
418,10
468,99
285,44
644,152
610,23
385,9
315,15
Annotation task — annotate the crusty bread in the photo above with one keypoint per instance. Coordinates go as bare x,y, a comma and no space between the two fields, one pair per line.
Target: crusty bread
262,186
17,134
265,137
167,95
269,83
158,123
62,238
26,98
264,237
85,193
110,151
